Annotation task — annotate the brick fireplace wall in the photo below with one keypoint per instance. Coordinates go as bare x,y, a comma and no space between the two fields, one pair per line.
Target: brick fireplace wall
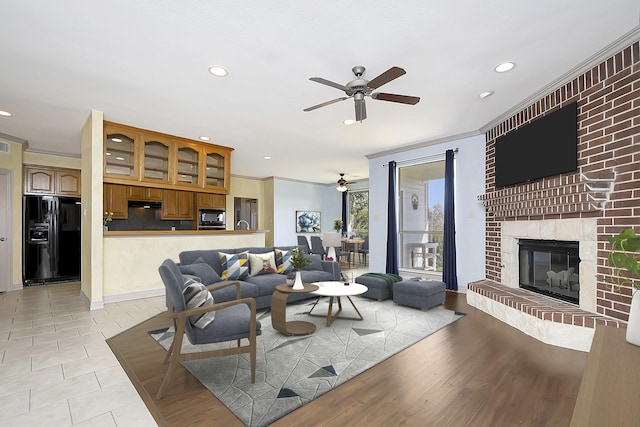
606,186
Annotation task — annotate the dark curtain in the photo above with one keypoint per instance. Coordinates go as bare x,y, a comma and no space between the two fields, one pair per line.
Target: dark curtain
345,201
449,275
392,227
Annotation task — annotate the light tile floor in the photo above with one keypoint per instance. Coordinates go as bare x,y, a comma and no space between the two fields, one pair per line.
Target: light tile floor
56,368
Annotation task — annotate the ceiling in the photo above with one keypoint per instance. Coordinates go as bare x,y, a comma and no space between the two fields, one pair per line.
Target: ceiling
145,63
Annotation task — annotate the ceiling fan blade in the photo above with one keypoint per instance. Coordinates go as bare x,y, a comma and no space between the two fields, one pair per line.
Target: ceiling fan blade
391,74
402,99
361,110
329,83
324,104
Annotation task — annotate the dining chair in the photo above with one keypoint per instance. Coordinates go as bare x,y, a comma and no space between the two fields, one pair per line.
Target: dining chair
302,241
208,322
316,246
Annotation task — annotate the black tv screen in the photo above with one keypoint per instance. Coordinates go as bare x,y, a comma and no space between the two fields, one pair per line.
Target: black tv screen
545,147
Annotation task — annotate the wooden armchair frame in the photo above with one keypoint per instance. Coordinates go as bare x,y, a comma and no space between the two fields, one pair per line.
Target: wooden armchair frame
180,318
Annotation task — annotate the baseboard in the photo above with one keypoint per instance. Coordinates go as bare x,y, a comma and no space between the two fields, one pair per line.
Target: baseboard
91,305
151,293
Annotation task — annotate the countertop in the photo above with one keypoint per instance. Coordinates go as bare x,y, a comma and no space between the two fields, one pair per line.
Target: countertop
179,232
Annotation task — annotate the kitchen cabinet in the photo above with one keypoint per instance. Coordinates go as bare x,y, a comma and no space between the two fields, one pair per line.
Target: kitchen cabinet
164,161
115,200
177,204
120,153
145,194
52,181
217,169
211,201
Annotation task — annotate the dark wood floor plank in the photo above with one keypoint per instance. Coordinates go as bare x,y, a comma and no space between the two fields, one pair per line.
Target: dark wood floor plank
476,372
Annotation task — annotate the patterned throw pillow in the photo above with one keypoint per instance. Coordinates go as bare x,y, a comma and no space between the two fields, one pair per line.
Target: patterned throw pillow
197,295
234,266
283,261
262,264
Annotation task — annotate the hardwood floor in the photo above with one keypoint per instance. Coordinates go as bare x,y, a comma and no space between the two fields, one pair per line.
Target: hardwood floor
476,372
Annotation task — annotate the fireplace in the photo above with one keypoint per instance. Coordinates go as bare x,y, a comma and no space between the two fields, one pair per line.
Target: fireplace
550,267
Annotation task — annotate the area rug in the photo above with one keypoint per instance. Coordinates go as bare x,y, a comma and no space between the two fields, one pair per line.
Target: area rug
292,371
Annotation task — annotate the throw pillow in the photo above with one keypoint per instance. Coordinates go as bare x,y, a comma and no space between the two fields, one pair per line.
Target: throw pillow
283,261
234,266
204,271
316,263
197,295
262,264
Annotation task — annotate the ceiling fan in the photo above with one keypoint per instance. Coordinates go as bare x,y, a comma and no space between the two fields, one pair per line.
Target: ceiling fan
360,87
342,184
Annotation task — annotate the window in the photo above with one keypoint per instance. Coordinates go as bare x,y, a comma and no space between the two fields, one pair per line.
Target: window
421,216
359,213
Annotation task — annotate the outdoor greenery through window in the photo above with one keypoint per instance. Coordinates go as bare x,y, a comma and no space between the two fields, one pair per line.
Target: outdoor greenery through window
421,216
359,213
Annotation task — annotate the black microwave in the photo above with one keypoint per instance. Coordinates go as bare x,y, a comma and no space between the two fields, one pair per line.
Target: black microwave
211,218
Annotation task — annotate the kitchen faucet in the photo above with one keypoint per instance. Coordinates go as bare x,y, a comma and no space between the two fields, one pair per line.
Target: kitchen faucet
242,220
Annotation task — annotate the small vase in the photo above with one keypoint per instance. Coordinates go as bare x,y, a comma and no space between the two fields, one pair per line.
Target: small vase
297,284
106,228
633,325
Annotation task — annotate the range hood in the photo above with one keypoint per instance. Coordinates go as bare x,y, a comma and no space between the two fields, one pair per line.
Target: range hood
145,205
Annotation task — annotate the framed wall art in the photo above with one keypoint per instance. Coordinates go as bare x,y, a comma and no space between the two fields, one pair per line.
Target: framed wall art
307,221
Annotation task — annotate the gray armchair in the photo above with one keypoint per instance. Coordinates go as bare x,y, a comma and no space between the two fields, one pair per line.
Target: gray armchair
234,320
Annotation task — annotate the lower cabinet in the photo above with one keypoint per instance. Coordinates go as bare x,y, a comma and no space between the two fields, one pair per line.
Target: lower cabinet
115,200
177,204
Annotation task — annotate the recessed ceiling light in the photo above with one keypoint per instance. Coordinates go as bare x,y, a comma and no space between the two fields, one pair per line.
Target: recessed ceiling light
205,138
486,94
218,71
5,113
349,122
504,67
267,157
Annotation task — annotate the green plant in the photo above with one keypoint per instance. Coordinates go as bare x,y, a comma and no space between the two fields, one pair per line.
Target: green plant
299,260
108,217
624,257
337,224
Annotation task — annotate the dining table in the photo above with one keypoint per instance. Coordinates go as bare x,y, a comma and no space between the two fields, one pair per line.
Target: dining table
356,242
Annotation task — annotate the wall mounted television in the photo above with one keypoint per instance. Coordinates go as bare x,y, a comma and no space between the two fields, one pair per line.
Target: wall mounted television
545,147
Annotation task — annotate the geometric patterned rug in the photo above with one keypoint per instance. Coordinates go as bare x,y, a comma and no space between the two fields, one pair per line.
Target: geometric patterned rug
292,371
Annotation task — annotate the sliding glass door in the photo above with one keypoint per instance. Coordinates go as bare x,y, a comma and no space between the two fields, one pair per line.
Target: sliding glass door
421,216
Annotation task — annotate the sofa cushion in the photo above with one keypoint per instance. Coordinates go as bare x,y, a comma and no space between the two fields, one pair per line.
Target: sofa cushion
266,283
310,276
197,295
234,266
209,256
201,270
283,261
262,264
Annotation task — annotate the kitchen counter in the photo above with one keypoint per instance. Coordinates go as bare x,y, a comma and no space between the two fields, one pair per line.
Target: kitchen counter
179,232
131,258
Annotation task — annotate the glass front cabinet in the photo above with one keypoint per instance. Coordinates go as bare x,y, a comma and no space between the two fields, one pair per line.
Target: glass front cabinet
164,161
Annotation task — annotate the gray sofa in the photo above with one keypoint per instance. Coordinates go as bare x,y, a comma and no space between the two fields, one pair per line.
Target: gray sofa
261,286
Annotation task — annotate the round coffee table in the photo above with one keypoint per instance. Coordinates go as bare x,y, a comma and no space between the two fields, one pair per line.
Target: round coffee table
337,290
279,311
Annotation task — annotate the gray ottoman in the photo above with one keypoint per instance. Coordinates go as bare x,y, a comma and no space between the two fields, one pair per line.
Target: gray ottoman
419,294
378,288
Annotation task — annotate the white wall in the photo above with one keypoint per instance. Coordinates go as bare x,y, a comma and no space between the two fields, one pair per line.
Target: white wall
292,196
470,220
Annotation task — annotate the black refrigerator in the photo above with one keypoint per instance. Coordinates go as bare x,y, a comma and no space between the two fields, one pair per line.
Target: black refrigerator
51,240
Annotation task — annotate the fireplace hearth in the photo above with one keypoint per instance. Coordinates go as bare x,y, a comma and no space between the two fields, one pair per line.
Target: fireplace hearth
550,267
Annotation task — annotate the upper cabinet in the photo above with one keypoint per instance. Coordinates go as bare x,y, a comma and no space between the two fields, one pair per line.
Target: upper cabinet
164,161
52,181
120,155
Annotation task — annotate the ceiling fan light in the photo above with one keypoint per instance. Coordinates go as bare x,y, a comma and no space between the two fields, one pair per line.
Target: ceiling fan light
341,188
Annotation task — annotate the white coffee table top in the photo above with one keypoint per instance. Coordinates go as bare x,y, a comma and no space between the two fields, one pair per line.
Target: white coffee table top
338,289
